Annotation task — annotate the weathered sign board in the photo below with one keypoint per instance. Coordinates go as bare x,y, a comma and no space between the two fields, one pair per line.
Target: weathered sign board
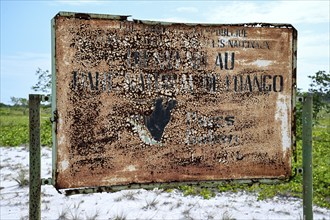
151,102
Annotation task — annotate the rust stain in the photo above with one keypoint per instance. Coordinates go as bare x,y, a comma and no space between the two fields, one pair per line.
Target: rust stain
143,102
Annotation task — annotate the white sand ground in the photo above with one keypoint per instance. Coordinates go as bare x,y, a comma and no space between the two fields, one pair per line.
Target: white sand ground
132,204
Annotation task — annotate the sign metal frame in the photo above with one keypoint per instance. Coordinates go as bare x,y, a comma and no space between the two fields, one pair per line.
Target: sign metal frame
172,183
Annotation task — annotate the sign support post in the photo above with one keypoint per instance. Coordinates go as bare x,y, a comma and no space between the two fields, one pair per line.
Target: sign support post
307,114
35,161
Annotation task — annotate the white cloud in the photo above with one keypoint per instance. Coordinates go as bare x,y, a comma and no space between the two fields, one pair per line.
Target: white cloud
271,12
187,9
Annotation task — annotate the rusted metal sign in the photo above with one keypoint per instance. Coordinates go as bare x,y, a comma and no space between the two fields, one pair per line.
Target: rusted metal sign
149,102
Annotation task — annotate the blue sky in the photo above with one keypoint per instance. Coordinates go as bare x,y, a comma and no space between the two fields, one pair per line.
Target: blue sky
26,38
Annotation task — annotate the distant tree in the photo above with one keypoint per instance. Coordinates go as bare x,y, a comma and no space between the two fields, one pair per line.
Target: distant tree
14,100
44,83
20,103
320,87
3,105
24,102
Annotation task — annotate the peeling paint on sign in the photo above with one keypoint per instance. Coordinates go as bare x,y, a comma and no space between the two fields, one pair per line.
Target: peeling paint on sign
64,165
282,112
262,63
150,102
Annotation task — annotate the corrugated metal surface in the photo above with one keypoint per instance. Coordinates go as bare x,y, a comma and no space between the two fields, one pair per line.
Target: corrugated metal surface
143,102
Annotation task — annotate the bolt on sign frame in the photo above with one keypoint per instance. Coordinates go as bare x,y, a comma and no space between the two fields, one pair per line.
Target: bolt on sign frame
145,102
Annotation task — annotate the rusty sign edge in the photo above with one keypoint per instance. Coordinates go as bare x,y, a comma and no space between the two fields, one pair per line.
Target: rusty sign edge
83,15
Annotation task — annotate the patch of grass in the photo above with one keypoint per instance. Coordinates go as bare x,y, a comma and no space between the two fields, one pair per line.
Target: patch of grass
177,205
210,216
22,178
14,130
74,211
188,190
186,213
14,125
151,204
63,215
206,193
129,195
120,216
93,216
158,191
169,190
321,163
75,215
166,203
118,199
227,216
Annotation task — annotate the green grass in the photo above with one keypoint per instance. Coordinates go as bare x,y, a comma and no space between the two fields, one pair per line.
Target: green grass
14,126
321,161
